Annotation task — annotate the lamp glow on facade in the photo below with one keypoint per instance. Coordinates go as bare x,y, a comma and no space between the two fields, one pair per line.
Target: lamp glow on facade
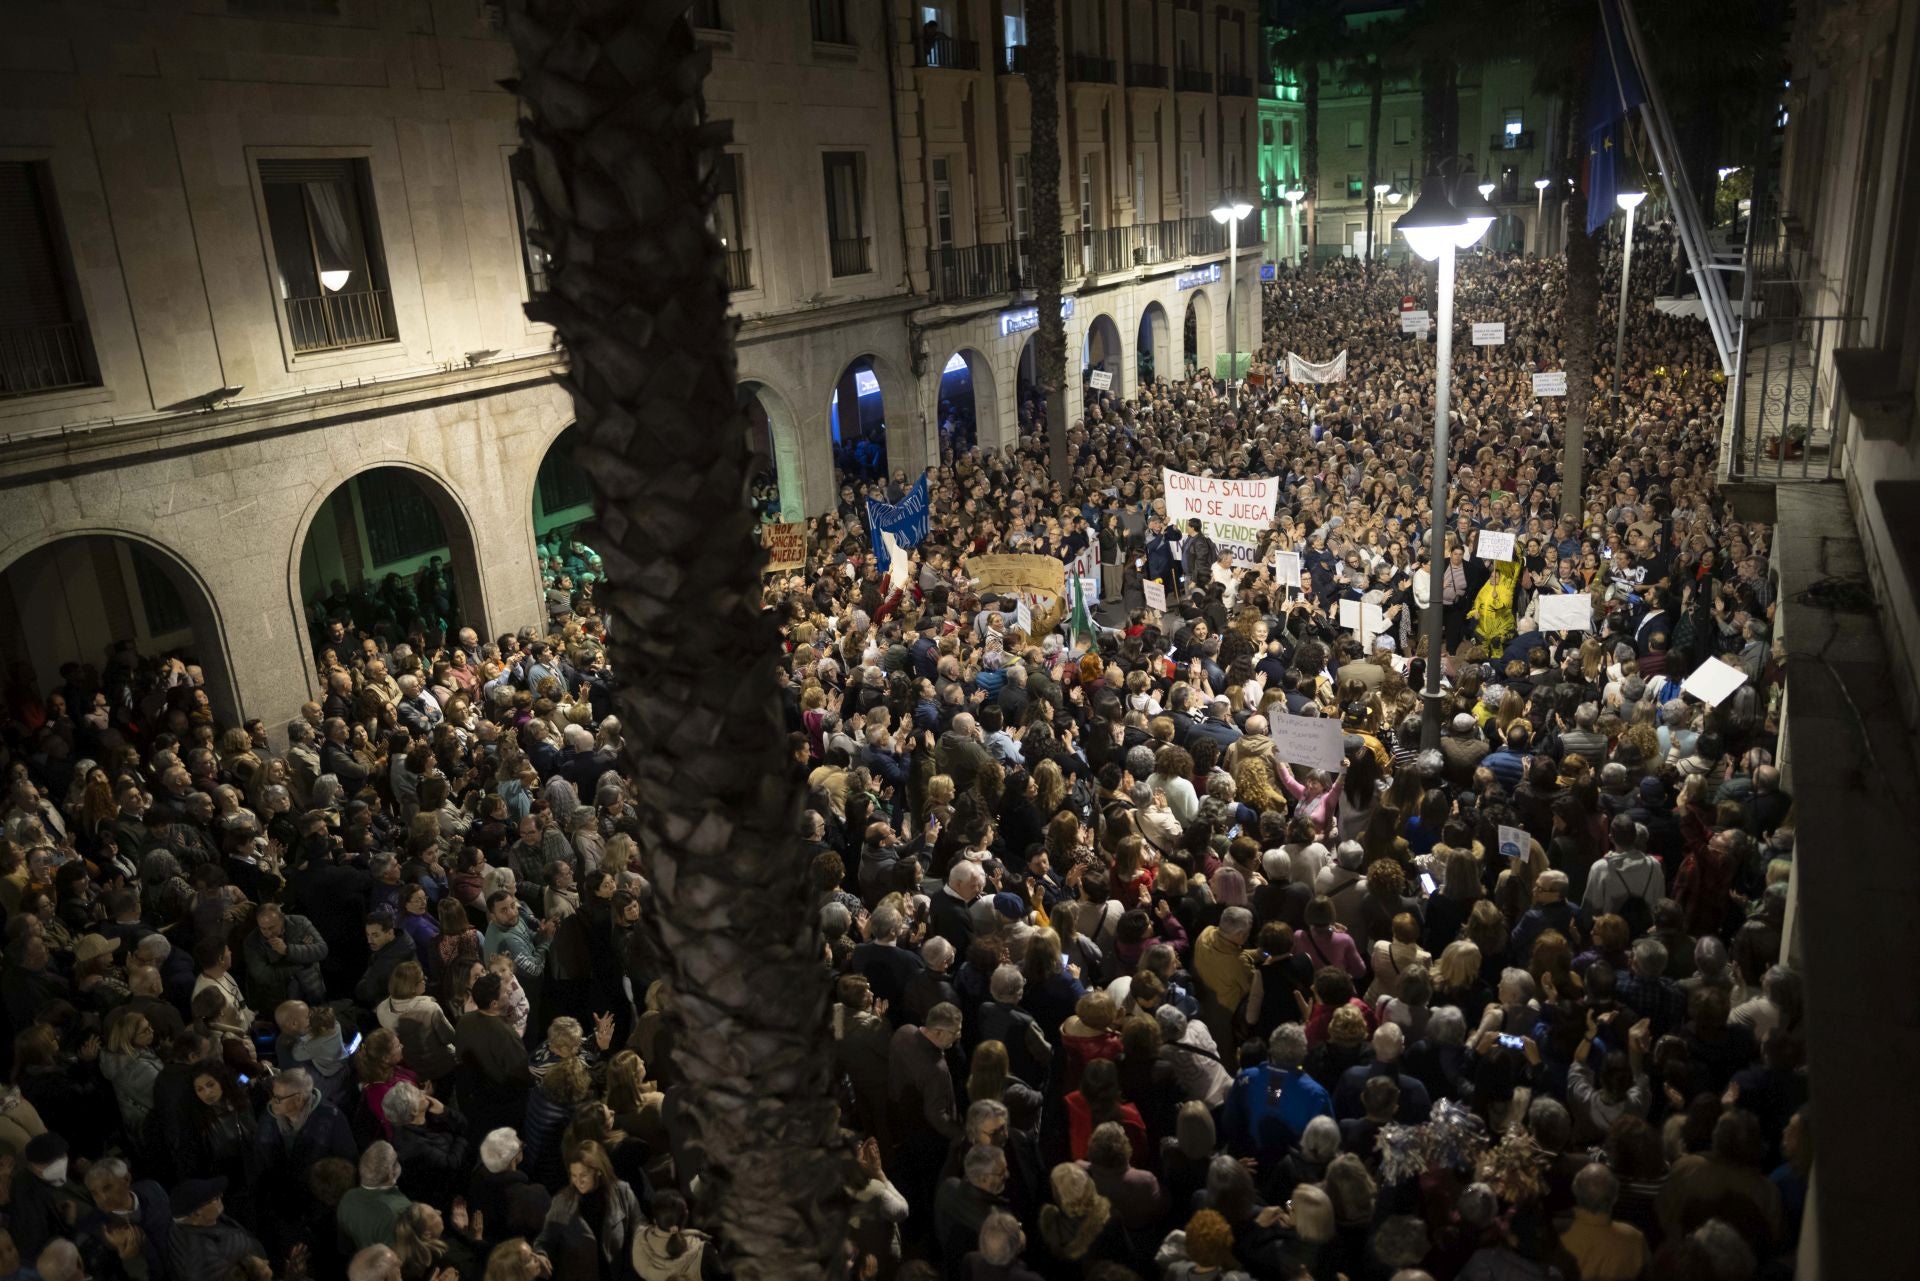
1629,199
1541,184
1486,191
1231,209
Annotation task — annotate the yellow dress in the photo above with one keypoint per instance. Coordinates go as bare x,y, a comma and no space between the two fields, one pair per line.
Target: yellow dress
1492,609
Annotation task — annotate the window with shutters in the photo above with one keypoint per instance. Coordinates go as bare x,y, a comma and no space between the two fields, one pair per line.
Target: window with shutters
942,203
44,344
729,219
1021,206
534,260
332,275
847,242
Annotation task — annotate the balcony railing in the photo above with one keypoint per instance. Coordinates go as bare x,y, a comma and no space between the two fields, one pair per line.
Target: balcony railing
333,321
950,53
1100,250
975,271
739,269
1148,75
1187,80
1086,69
1522,141
1233,86
850,256
36,358
1013,60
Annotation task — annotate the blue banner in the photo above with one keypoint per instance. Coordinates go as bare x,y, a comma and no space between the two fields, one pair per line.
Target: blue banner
906,520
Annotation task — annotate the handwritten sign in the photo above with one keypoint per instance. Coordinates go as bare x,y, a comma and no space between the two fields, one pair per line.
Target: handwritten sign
1564,612
786,545
1489,333
1314,741
1156,594
1415,322
1015,572
1286,569
1713,680
1553,384
1364,618
1100,380
1494,545
1234,512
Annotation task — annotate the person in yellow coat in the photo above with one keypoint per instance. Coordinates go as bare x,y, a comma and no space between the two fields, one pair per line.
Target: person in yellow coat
1492,611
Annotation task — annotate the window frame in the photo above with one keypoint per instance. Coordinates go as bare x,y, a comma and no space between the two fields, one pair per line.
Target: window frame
373,232
837,32
65,284
861,211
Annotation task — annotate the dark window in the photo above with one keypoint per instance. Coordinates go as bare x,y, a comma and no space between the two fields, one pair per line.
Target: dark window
562,482
159,598
846,212
830,22
730,220
401,521
709,15
332,274
534,260
43,339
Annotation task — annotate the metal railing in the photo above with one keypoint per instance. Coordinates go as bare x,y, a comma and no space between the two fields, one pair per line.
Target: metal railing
1099,250
1189,80
849,256
36,358
950,53
972,271
1503,141
1235,86
332,321
1785,418
1147,75
1083,68
739,269
1013,60
988,270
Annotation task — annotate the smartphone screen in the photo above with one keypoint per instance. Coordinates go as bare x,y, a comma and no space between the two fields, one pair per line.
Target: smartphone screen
1426,883
1512,1042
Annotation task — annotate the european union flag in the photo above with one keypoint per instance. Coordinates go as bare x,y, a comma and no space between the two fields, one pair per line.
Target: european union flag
1613,93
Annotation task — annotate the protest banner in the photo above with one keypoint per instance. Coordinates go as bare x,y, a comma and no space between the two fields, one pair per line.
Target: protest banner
1100,380
906,520
1233,512
1489,333
786,545
1305,371
1415,320
1156,592
1564,612
1713,680
1364,619
1515,844
1494,545
1286,569
1314,741
1035,582
1553,384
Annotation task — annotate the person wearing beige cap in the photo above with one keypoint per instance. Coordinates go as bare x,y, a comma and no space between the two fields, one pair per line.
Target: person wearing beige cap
91,947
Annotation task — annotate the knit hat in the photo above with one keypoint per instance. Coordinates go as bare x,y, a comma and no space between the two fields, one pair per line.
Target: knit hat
43,1149
1009,905
196,1194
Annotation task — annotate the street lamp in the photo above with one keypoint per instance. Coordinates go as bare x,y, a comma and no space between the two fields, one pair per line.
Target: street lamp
1230,210
1438,224
1380,190
1394,197
1486,191
1628,198
1293,196
1540,217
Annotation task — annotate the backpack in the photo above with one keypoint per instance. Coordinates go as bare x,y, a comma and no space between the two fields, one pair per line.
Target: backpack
1636,911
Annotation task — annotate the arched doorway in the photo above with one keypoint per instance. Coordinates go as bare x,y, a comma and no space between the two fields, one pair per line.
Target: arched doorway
562,508
1032,404
390,553
857,414
104,612
968,407
1151,354
1197,344
778,492
1101,351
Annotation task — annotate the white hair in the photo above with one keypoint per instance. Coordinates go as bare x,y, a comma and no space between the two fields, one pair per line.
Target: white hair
498,1149
937,952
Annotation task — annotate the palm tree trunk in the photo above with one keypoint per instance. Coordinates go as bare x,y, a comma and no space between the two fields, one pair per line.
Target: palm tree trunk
1310,149
1376,85
1050,350
623,157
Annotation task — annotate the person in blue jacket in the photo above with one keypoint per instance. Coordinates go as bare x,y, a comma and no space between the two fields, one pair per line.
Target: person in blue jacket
1269,1106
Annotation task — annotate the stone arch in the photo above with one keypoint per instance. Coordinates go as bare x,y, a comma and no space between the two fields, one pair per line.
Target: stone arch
774,418
1198,345
899,411
969,368
456,522
1153,348
67,572
1101,348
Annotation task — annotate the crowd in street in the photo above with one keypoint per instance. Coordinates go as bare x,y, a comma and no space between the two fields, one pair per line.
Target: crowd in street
1117,990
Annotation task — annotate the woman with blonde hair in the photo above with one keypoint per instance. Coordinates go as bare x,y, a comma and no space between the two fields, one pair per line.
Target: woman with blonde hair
1457,981
129,1063
634,1100
1078,1226
1393,957
426,1243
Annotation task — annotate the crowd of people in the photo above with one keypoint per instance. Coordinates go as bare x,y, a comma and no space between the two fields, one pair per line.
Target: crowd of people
1117,990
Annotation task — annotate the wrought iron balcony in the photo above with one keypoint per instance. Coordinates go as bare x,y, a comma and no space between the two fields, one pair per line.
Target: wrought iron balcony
1188,80
333,321
950,53
1086,69
37,358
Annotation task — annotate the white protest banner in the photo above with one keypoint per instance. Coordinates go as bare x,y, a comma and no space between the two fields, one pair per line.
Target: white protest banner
1234,513
1305,371
1314,741
1156,594
1086,568
1564,611
1286,569
1553,384
1415,321
1100,380
1515,844
1494,545
1713,680
1363,618
1489,333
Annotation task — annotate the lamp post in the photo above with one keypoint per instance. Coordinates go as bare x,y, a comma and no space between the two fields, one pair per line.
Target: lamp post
1629,201
1380,190
1435,227
1394,197
1294,195
1540,218
1230,211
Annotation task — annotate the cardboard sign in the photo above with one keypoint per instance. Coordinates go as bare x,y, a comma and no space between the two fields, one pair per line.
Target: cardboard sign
1489,333
1553,384
1415,322
1234,513
1100,380
1564,612
1494,545
1286,569
1015,572
1713,680
1156,594
1314,741
786,545
1515,843
1363,618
